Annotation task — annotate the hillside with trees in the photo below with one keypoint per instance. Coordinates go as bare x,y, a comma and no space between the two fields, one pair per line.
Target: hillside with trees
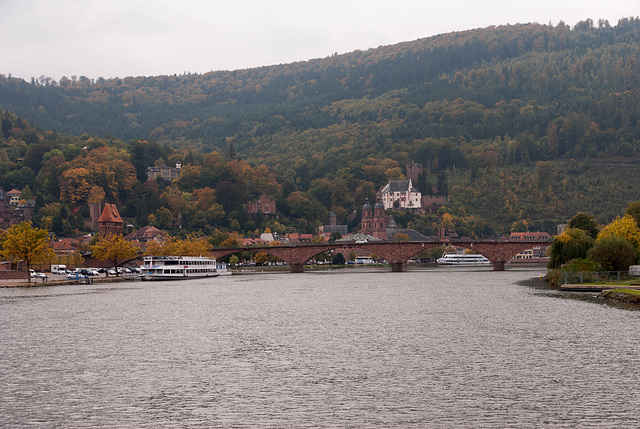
520,124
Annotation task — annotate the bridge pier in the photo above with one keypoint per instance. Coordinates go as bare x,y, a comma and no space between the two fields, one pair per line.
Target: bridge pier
297,268
396,267
498,265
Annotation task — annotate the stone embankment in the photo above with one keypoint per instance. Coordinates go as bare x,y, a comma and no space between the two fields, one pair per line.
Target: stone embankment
39,282
622,295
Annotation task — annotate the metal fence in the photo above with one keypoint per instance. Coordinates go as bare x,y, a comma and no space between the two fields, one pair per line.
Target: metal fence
597,277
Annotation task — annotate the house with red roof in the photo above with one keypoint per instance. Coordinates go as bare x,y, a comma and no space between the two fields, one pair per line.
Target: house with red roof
14,196
63,247
142,237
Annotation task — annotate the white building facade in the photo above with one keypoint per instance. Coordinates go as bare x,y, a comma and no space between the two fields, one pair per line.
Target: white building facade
400,194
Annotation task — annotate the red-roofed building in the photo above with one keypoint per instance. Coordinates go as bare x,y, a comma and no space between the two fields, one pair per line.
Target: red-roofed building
265,205
537,236
299,238
14,196
110,221
63,247
252,241
144,236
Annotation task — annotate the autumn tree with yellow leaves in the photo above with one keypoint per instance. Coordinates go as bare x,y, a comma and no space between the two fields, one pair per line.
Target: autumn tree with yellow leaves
114,248
623,227
25,243
190,246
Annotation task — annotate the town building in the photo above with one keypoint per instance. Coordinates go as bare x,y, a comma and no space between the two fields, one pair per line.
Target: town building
537,252
10,215
333,227
400,194
537,236
63,247
142,237
167,173
265,206
294,237
110,221
14,196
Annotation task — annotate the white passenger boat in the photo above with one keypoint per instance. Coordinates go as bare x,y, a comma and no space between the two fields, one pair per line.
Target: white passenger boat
177,267
463,259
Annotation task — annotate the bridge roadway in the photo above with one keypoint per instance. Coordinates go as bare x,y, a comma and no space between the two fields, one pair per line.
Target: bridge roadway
396,253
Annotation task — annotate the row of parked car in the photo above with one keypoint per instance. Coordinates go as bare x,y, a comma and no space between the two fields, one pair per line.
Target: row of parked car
91,272
82,273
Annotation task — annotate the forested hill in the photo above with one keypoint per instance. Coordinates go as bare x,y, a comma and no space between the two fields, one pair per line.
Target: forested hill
545,81
527,122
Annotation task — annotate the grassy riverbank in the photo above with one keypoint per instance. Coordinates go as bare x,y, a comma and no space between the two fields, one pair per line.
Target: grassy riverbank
623,295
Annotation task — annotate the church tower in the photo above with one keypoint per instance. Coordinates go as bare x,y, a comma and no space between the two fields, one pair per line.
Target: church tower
367,218
379,222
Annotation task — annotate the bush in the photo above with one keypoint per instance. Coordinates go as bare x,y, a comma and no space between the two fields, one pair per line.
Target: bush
554,276
582,264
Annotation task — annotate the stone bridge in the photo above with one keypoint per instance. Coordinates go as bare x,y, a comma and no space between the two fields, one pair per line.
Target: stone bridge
396,253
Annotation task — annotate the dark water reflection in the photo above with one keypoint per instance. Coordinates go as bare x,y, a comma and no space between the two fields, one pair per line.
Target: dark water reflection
435,348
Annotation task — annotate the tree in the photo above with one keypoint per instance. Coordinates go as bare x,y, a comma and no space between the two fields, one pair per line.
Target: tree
335,235
633,210
230,196
585,222
520,226
443,185
76,185
25,243
571,244
623,227
163,218
114,248
614,253
190,246
338,259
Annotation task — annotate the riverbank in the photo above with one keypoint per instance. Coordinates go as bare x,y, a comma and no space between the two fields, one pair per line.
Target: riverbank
6,283
622,295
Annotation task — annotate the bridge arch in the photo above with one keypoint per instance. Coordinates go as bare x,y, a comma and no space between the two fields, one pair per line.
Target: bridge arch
396,253
498,252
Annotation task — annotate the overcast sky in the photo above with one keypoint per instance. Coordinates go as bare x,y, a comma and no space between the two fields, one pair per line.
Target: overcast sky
118,38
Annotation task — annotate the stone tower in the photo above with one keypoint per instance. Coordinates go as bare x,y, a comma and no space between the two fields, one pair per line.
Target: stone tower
110,221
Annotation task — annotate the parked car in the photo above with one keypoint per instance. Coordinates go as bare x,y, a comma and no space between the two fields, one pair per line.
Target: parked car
87,272
76,276
35,275
58,269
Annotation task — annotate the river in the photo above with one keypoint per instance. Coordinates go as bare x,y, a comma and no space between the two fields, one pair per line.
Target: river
360,348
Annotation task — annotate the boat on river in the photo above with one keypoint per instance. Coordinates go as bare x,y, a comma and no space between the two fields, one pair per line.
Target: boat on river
178,267
463,259
223,269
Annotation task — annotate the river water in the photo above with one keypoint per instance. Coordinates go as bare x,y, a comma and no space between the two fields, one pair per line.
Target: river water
362,348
